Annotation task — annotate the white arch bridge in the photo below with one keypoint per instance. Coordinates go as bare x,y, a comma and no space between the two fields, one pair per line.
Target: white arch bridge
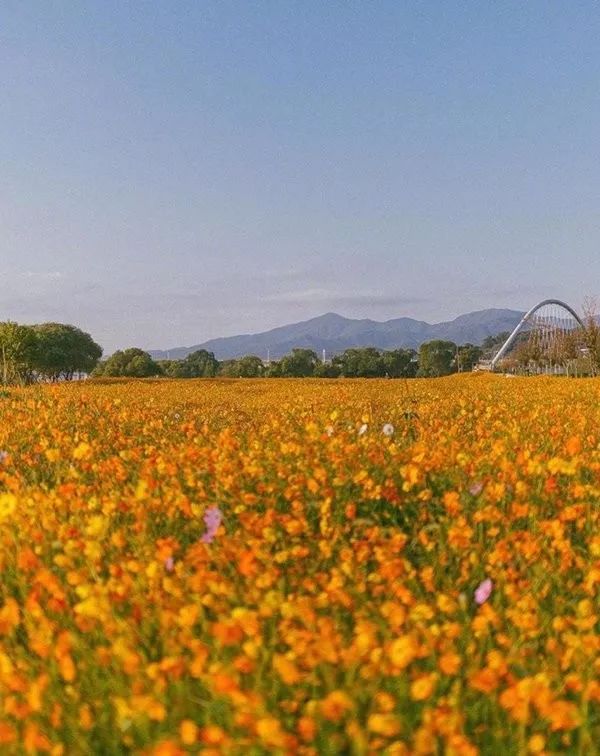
549,337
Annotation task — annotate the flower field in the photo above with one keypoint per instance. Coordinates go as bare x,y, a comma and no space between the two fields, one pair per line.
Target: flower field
301,567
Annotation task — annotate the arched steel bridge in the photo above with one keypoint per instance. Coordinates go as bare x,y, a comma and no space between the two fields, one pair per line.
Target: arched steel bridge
553,324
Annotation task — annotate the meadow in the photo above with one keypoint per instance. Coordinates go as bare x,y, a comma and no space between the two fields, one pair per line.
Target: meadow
300,567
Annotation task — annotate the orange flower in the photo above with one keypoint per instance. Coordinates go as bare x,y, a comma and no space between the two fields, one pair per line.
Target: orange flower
403,650
484,680
386,725
286,669
270,732
450,663
336,705
188,732
423,687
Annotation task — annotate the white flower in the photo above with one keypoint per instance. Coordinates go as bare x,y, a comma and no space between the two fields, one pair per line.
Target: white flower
388,429
363,429
329,430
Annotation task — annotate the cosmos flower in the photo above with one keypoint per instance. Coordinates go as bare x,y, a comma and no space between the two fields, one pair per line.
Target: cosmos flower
388,429
212,519
483,591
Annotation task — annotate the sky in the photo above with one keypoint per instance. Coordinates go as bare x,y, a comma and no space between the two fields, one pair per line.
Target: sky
175,171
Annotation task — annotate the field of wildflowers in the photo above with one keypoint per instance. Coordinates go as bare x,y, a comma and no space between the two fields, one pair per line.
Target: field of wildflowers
301,567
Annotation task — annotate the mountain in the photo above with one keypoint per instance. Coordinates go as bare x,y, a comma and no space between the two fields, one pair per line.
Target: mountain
335,333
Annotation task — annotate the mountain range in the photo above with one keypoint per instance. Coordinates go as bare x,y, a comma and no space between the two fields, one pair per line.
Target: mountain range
335,333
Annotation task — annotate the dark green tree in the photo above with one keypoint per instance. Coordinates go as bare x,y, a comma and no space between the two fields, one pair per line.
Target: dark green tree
400,363
198,364
491,344
364,362
273,369
131,363
249,366
61,351
437,358
467,356
301,363
17,352
327,370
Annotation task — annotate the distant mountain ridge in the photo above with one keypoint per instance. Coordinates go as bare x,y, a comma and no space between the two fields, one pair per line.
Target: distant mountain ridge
335,333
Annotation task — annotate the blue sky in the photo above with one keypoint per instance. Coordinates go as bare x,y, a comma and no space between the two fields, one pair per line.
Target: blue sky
175,171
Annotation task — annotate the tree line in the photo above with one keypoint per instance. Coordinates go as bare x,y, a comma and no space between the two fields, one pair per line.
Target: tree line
58,352
45,352
434,358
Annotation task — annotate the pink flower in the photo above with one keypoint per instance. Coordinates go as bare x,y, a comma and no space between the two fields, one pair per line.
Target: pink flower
169,564
476,489
483,591
212,519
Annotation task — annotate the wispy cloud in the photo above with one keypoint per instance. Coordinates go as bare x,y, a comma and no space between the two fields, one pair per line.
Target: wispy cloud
340,299
31,275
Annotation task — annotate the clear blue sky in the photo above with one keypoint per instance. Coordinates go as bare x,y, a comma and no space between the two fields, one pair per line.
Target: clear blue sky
174,171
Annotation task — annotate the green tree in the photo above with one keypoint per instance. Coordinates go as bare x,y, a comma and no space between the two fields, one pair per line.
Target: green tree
436,358
198,364
131,363
249,366
17,352
400,363
590,334
273,369
63,350
327,370
491,344
362,362
467,356
301,363
201,364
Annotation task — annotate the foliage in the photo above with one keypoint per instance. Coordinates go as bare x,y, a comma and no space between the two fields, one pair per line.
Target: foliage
491,344
50,351
328,370
467,356
300,567
250,366
300,363
198,364
591,333
400,363
365,362
437,358
63,350
130,363
17,352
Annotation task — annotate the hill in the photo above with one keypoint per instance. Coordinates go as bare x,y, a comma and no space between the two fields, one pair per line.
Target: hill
335,333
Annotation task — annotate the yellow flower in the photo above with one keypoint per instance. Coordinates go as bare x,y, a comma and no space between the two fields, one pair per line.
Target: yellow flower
403,650
336,705
188,732
536,743
384,724
82,451
423,687
270,732
8,504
